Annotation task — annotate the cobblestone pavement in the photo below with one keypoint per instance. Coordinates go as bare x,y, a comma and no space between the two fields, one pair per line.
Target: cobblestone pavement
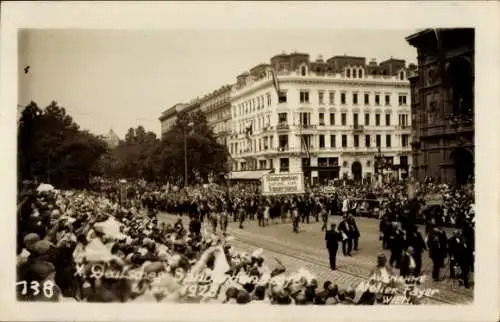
307,250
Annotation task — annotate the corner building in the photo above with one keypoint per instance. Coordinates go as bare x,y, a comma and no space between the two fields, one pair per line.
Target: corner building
443,105
330,120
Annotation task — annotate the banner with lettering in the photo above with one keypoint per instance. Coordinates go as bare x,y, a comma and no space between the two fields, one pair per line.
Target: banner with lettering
283,183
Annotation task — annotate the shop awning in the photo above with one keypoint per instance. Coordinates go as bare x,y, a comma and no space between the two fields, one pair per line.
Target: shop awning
248,175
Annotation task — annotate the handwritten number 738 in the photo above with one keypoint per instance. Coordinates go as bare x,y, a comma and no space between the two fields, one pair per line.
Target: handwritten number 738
34,288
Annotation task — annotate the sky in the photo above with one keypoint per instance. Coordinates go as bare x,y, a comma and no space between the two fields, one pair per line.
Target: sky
125,78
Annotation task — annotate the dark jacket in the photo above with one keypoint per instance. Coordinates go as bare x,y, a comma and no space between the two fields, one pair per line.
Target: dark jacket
332,239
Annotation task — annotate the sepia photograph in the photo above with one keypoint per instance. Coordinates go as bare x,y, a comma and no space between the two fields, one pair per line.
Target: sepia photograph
272,167
309,178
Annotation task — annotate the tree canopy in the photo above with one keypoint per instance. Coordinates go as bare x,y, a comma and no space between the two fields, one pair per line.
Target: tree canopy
52,148
142,155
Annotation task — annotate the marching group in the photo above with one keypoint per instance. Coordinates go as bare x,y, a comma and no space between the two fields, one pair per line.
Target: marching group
64,235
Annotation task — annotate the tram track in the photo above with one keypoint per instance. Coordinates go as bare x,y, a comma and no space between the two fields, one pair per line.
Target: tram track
312,258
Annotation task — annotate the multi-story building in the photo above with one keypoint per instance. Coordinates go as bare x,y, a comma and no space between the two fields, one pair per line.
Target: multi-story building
217,108
443,105
331,118
169,116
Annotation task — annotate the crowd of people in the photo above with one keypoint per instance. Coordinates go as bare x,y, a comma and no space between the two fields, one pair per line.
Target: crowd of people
107,244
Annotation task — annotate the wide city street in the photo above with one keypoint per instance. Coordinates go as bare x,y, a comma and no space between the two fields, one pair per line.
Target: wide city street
307,250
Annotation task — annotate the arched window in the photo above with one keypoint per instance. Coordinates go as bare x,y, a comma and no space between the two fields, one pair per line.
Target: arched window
459,78
348,73
360,73
354,73
303,70
402,75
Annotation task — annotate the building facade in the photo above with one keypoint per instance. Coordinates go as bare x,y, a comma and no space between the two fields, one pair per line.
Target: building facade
330,119
169,116
217,108
443,105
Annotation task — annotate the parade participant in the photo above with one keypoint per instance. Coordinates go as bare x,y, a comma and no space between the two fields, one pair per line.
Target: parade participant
417,242
260,214
437,251
385,228
241,215
267,209
295,218
396,245
332,238
345,230
353,228
324,218
224,220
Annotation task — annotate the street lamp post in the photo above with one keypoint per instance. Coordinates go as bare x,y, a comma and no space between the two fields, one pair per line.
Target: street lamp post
189,125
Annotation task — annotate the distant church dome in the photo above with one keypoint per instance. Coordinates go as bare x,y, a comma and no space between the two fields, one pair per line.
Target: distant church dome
112,139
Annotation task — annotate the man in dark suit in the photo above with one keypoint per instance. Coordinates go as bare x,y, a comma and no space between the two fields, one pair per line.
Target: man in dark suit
416,241
354,231
345,230
332,238
437,245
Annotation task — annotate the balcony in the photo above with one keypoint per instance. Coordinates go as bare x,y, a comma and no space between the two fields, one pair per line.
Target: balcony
357,128
267,128
282,149
282,126
306,129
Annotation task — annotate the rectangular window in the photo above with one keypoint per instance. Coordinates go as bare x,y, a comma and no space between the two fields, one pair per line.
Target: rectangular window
378,141
282,98
343,119
367,141
282,119
321,95
403,120
388,120
402,100
332,118
403,160
355,99
377,119
356,141
262,164
284,164
355,119
322,162
321,118
404,140
283,142
332,97
344,141
342,98
367,99
377,99
388,140
367,119
333,162
321,141
387,99
332,141
304,96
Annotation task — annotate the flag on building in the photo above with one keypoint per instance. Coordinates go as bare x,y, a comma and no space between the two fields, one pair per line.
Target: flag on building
275,82
249,132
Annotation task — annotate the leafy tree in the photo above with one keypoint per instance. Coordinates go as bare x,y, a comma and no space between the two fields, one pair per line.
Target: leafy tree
52,148
205,155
